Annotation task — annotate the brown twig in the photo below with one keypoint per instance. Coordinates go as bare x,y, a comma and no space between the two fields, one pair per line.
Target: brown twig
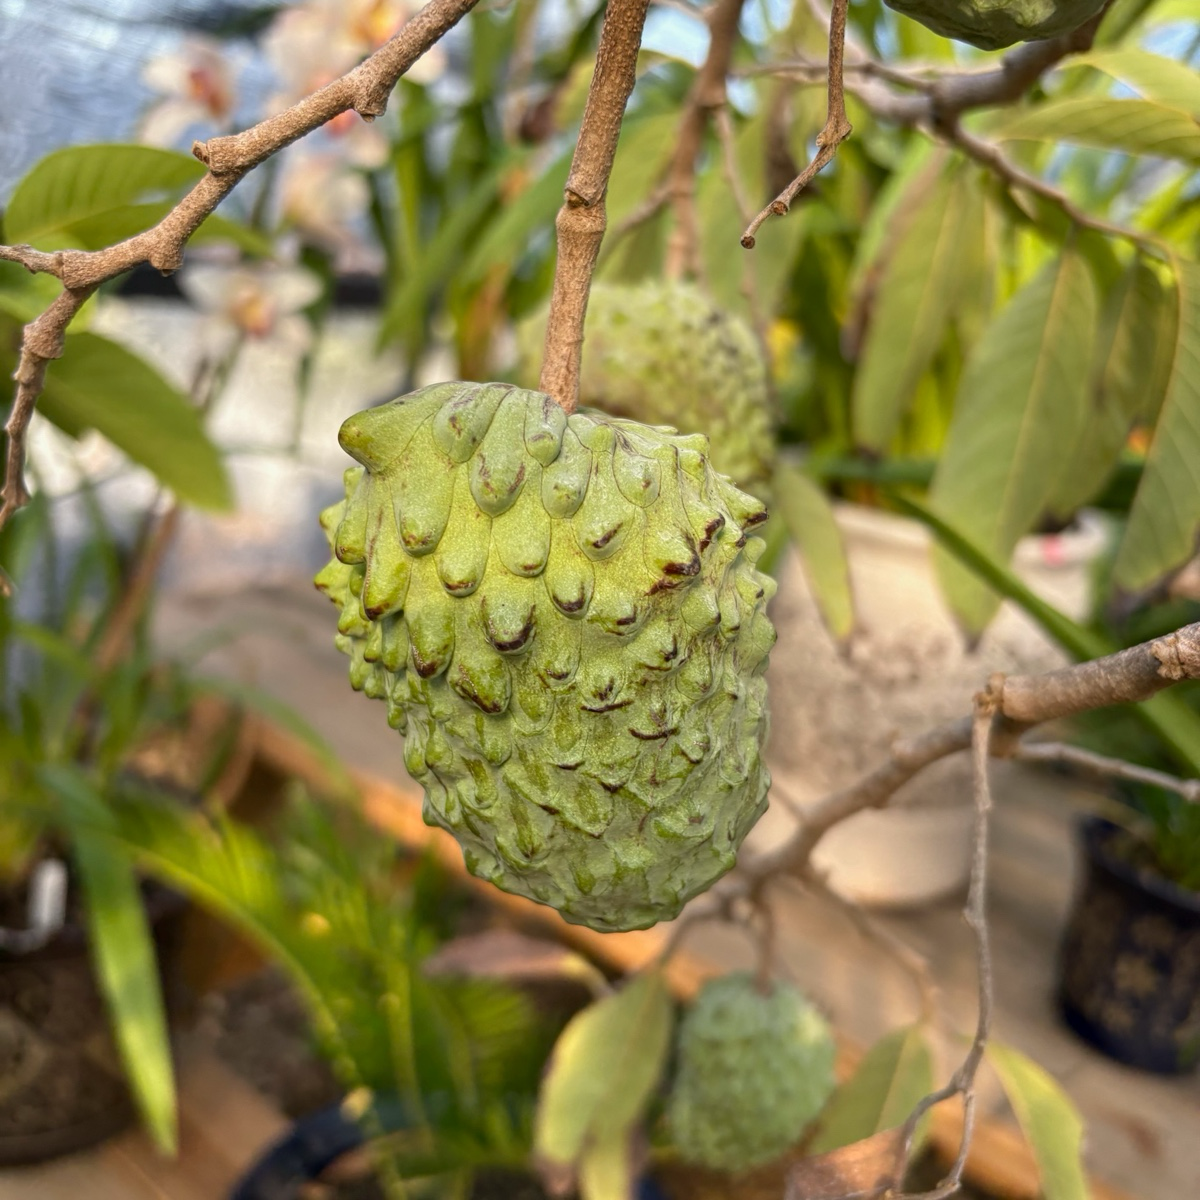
963,1081
365,89
837,127
1061,754
582,219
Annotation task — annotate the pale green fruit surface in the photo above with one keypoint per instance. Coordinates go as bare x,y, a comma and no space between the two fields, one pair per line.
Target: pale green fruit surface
994,24
753,1071
564,618
664,353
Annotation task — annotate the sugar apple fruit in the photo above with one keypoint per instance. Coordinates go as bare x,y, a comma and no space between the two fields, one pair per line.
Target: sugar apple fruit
564,617
994,24
663,352
754,1068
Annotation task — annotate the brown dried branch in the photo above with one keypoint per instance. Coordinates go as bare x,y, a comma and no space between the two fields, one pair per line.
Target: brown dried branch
582,219
837,127
1061,754
365,89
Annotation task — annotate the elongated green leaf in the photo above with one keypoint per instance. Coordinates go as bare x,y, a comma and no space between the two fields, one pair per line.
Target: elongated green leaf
122,952
1137,126
919,287
98,384
86,185
1165,516
809,518
1121,387
1048,1118
603,1070
606,1169
1021,400
893,1076
1165,80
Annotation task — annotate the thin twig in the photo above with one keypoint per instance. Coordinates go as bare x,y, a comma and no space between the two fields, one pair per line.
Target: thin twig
1112,768
582,219
837,127
963,1081
365,90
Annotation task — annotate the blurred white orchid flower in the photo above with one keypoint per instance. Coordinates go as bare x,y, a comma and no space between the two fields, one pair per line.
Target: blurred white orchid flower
262,302
323,199
197,86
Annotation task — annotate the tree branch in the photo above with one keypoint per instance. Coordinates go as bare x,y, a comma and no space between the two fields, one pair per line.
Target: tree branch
365,89
1061,754
837,127
582,219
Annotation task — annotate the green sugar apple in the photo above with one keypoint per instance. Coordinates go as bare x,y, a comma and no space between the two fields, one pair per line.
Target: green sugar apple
664,353
564,617
754,1068
994,24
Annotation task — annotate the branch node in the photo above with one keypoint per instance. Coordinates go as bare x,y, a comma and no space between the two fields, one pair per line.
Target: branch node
1178,656
200,151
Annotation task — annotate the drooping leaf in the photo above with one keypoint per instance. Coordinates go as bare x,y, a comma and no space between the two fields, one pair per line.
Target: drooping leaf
1048,1118
98,384
1164,80
1165,517
919,286
122,951
606,1169
1134,125
1121,386
604,1068
87,185
1020,401
809,518
893,1076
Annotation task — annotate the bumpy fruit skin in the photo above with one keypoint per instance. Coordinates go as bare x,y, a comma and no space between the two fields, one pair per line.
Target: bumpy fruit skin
753,1070
994,24
662,352
565,620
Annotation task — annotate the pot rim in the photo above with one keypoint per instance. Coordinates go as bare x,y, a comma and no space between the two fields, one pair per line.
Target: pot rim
1096,833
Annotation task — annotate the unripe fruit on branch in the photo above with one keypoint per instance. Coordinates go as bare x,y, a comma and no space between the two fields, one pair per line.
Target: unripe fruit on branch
994,24
565,620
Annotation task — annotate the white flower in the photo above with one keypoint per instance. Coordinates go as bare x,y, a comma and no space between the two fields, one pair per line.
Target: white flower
197,85
262,302
323,198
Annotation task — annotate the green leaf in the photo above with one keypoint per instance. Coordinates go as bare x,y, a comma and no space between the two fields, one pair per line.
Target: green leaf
1164,80
809,518
122,952
1136,126
1020,401
1165,517
1134,319
603,1071
606,1169
98,384
919,287
89,186
1048,1118
893,1076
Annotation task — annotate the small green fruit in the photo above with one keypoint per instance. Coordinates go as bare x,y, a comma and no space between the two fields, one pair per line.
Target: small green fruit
994,24
565,620
665,354
754,1068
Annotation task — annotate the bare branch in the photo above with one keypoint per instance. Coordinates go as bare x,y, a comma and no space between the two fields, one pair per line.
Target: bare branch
582,219
837,127
365,89
1061,754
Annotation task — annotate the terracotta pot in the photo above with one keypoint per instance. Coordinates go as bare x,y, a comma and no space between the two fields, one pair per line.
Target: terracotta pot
1129,970
62,1087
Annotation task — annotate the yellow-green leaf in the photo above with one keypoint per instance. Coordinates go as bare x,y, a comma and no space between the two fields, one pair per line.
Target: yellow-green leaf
1165,517
893,1076
606,1170
1019,405
1136,317
809,518
1048,1118
604,1068
1165,80
1136,126
918,288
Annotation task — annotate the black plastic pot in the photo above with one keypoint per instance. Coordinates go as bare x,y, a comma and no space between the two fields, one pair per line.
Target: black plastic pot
62,1088
1129,972
317,1141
